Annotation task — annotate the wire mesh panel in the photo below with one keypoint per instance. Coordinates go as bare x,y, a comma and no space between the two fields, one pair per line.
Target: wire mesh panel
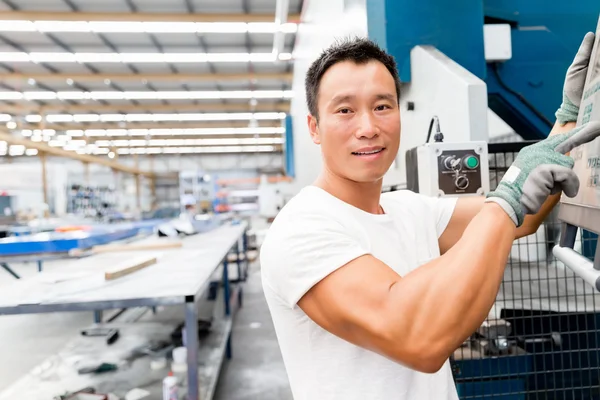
541,339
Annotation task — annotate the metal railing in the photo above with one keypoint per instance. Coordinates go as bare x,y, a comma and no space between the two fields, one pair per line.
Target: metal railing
542,339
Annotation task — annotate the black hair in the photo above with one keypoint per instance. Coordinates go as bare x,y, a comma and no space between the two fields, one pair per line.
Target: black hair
358,50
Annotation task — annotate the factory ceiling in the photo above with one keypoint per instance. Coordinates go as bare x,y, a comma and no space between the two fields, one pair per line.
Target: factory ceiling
100,77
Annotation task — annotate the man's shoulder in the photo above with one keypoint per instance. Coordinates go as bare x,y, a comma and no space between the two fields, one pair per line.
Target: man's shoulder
307,218
310,201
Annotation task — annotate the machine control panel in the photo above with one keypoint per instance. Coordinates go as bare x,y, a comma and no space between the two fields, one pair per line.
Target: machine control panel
459,172
448,169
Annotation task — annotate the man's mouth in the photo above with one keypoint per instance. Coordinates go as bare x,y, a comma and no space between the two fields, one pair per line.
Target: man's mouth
368,153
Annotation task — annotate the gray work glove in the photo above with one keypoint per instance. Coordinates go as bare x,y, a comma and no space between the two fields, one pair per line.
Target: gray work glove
540,170
574,82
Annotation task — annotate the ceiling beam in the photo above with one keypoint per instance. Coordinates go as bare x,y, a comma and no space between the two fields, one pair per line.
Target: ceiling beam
139,16
151,125
56,151
283,106
223,77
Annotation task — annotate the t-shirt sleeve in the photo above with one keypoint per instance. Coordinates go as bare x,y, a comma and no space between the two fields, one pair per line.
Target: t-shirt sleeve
299,252
441,208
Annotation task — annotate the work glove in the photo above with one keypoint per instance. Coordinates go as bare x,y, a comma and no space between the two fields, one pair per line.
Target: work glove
540,170
574,82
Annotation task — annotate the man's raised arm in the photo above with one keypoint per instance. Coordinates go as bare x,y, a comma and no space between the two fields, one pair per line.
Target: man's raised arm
421,318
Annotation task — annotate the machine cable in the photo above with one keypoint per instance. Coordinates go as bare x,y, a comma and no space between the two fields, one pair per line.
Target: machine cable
439,136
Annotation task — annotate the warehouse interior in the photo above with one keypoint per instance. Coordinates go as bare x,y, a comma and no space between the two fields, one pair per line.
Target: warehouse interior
147,146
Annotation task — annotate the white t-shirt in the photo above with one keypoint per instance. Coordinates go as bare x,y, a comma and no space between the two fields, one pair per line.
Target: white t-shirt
312,236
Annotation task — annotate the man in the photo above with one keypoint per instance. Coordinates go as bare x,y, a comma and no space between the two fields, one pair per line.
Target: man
370,294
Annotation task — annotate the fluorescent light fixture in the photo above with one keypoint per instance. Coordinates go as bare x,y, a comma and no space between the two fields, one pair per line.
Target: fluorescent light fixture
188,142
148,95
31,152
5,117
16,150
179,132
62,57
11,125
197,150
33,118
145,27
156,117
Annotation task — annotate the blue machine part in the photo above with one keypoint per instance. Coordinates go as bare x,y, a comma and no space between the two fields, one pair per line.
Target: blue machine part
545,38
454,27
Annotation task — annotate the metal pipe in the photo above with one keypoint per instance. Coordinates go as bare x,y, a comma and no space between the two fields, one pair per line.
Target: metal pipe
577,263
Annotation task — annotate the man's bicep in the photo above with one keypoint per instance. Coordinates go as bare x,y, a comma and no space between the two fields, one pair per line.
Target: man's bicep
301,252
465,210
351,301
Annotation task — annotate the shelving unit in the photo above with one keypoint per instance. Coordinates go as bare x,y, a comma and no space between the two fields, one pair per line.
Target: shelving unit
90,201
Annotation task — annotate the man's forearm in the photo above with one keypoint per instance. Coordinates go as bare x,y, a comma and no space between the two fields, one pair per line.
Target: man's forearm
440,304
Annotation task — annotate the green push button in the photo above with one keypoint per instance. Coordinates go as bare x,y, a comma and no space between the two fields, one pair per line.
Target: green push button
471,162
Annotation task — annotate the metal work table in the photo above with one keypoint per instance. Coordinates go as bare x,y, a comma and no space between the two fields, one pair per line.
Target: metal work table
180,277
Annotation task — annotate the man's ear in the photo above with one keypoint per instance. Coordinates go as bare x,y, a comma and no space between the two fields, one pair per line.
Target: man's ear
313,129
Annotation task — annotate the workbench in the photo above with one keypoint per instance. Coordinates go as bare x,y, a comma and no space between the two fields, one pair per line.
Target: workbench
180,277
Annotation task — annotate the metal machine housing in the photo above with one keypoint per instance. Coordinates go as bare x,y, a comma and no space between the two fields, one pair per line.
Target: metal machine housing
448,169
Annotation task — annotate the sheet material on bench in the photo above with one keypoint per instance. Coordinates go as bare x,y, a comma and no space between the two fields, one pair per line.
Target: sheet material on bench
177,273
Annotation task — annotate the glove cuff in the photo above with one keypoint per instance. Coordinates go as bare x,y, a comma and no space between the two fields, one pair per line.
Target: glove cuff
506,207
567,112
506,196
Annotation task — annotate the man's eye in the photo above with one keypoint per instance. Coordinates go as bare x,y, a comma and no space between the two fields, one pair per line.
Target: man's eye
344,111
381,107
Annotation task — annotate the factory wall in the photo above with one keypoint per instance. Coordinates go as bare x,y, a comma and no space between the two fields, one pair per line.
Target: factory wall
164,163
22,176
23,181
322,23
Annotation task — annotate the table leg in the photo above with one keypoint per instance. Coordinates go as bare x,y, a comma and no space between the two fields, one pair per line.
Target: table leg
227,296
238,249
245,250
39,264
228,348
226,288
98,316
9,270
191,336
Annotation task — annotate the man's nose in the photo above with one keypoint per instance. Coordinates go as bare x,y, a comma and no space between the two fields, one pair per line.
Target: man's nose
367,126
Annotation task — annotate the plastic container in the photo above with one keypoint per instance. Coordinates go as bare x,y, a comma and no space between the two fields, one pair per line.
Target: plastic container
170,388
180,355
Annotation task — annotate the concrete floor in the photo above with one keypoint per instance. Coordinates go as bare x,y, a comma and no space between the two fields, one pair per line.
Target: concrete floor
255,372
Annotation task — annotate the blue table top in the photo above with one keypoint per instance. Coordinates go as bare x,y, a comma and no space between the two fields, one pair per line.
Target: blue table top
59,242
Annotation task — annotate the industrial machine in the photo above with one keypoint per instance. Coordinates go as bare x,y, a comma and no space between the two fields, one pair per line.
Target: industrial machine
492,70
583,210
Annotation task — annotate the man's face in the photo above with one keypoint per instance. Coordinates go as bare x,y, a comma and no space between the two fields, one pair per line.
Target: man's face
359,120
